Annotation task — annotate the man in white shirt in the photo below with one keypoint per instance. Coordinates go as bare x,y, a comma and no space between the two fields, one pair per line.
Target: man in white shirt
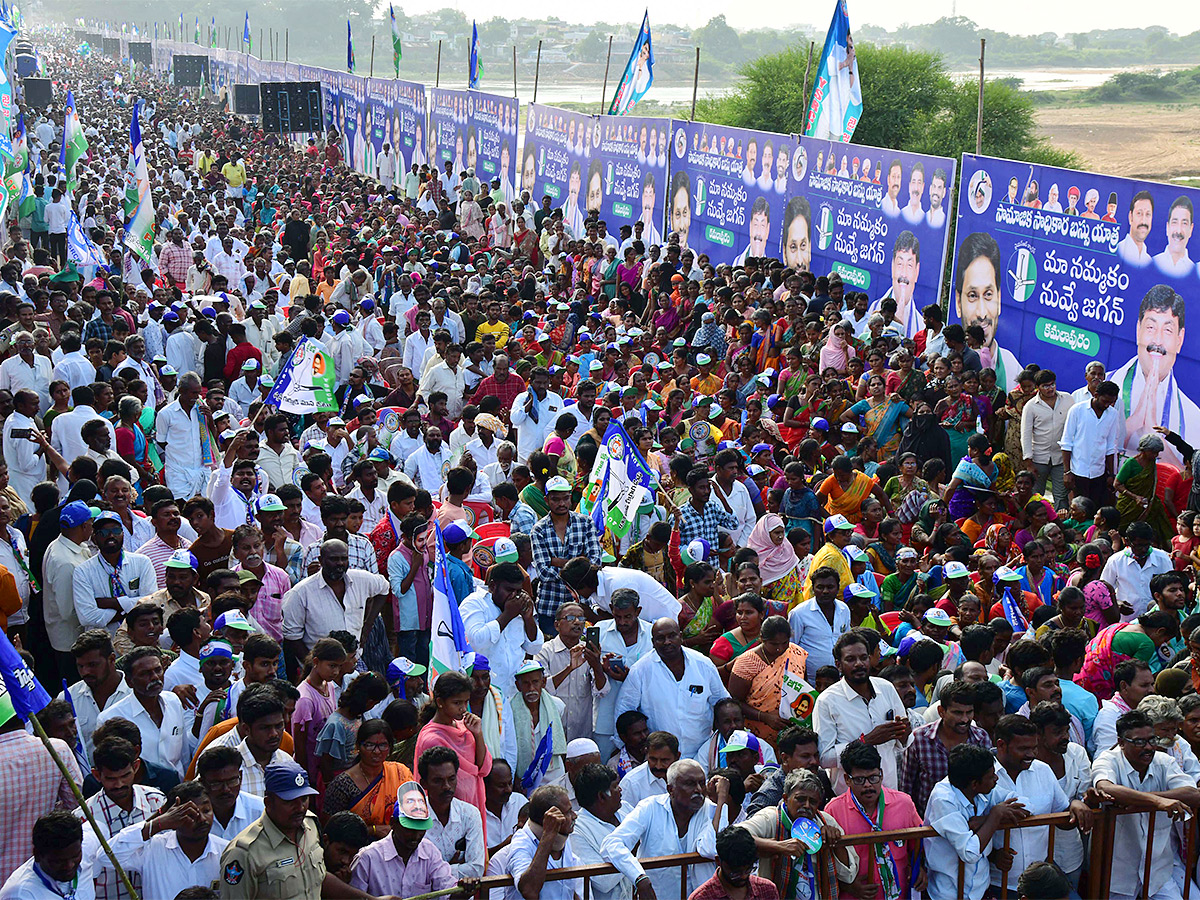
178,431
173,851
499,622
66,431
101,683
457,829
818,623
385,167
157,713
676,687
448,377
649,779
74,367
219,770
26,465
968,794
544,844
534,413
417,344
1135,773
1034,784
859,706
654,824
1091,436
66,553
1129,571
112,582
1042,423
597,587
1134,682
429,464
26,369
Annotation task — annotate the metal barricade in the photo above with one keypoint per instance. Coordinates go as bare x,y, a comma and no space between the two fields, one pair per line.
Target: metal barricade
1098,875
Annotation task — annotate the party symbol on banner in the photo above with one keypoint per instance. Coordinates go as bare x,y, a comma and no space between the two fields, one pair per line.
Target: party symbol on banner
1023,270
825,228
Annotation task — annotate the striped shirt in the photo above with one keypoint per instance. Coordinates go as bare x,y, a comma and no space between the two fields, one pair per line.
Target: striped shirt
158,552
146,802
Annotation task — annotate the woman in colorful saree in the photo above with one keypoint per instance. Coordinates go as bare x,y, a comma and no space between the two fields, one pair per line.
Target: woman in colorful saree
756,680
1139,639
369,787
1136,484
778,564
975,470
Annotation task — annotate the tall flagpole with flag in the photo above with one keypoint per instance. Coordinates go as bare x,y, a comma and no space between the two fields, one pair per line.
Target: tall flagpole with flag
74,144
25,697
475,66
246,34
139,233
638,75
196,39
837,102
447,636
349,49
396,48
212,34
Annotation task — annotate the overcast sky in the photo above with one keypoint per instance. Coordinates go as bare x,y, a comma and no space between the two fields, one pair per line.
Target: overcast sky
1013,16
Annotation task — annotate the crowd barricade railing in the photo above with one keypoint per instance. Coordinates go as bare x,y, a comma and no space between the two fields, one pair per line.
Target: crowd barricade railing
1098,874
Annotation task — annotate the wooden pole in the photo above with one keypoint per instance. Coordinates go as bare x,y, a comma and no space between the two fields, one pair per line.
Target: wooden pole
807,69
66,773
979,112
287,42
607,62
437,78
514,71
260,43
695,84
371,70
537,70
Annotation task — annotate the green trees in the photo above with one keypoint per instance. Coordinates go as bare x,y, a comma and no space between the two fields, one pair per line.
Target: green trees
910,103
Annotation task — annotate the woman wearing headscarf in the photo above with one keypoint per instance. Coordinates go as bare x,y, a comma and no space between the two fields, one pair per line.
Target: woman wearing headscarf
1136,484
837,351
923,437
778,564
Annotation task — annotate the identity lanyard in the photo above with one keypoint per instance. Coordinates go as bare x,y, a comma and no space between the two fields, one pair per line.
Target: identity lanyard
889,877
52,886
114,575
249,501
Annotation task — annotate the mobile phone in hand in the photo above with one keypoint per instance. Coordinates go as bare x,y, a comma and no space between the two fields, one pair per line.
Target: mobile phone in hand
592,636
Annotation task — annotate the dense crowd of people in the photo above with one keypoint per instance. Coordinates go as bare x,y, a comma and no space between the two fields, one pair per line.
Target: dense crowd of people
871,590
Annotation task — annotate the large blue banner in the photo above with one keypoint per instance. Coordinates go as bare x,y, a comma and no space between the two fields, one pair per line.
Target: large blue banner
1083,267
632,152
875,217
554,162
727,190
476,131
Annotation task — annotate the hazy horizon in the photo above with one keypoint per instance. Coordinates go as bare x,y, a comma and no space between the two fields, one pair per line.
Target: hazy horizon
1016,17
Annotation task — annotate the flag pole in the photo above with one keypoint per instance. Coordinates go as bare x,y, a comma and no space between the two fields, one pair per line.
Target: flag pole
695,84
66,773
807,67
537,70
260,43
437,78
607,62
979,112
287,42
371,68
514,71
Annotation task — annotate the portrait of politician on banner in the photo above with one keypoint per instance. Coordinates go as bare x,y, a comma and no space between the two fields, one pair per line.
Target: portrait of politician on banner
1084,267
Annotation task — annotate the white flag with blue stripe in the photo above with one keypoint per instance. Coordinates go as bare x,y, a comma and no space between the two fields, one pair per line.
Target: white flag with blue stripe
81,250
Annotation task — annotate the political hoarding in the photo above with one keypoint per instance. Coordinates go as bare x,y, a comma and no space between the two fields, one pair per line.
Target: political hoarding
555,162
876,217
630,154
475,130
727,190
1062,267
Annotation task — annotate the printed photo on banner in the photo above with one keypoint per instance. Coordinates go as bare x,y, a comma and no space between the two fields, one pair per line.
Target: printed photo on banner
629,155
880,224
1085,266
726,195
560,144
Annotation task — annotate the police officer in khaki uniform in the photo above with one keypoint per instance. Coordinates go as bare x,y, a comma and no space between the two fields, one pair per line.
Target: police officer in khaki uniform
279,857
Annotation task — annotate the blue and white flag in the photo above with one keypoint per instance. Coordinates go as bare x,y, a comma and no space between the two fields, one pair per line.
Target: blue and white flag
447,636
542,757
349,49
139,232
475,70
638,75
1013,613
26,692
7,33
80,755
620,483
837,103
246,33
81,249
306,380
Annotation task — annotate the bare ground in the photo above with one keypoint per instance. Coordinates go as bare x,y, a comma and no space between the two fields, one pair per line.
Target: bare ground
1131,140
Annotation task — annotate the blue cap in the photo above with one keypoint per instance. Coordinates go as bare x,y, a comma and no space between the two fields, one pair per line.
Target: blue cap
457,531
216,649
367,304
76,513
170,316
287,781
379,455
341,317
